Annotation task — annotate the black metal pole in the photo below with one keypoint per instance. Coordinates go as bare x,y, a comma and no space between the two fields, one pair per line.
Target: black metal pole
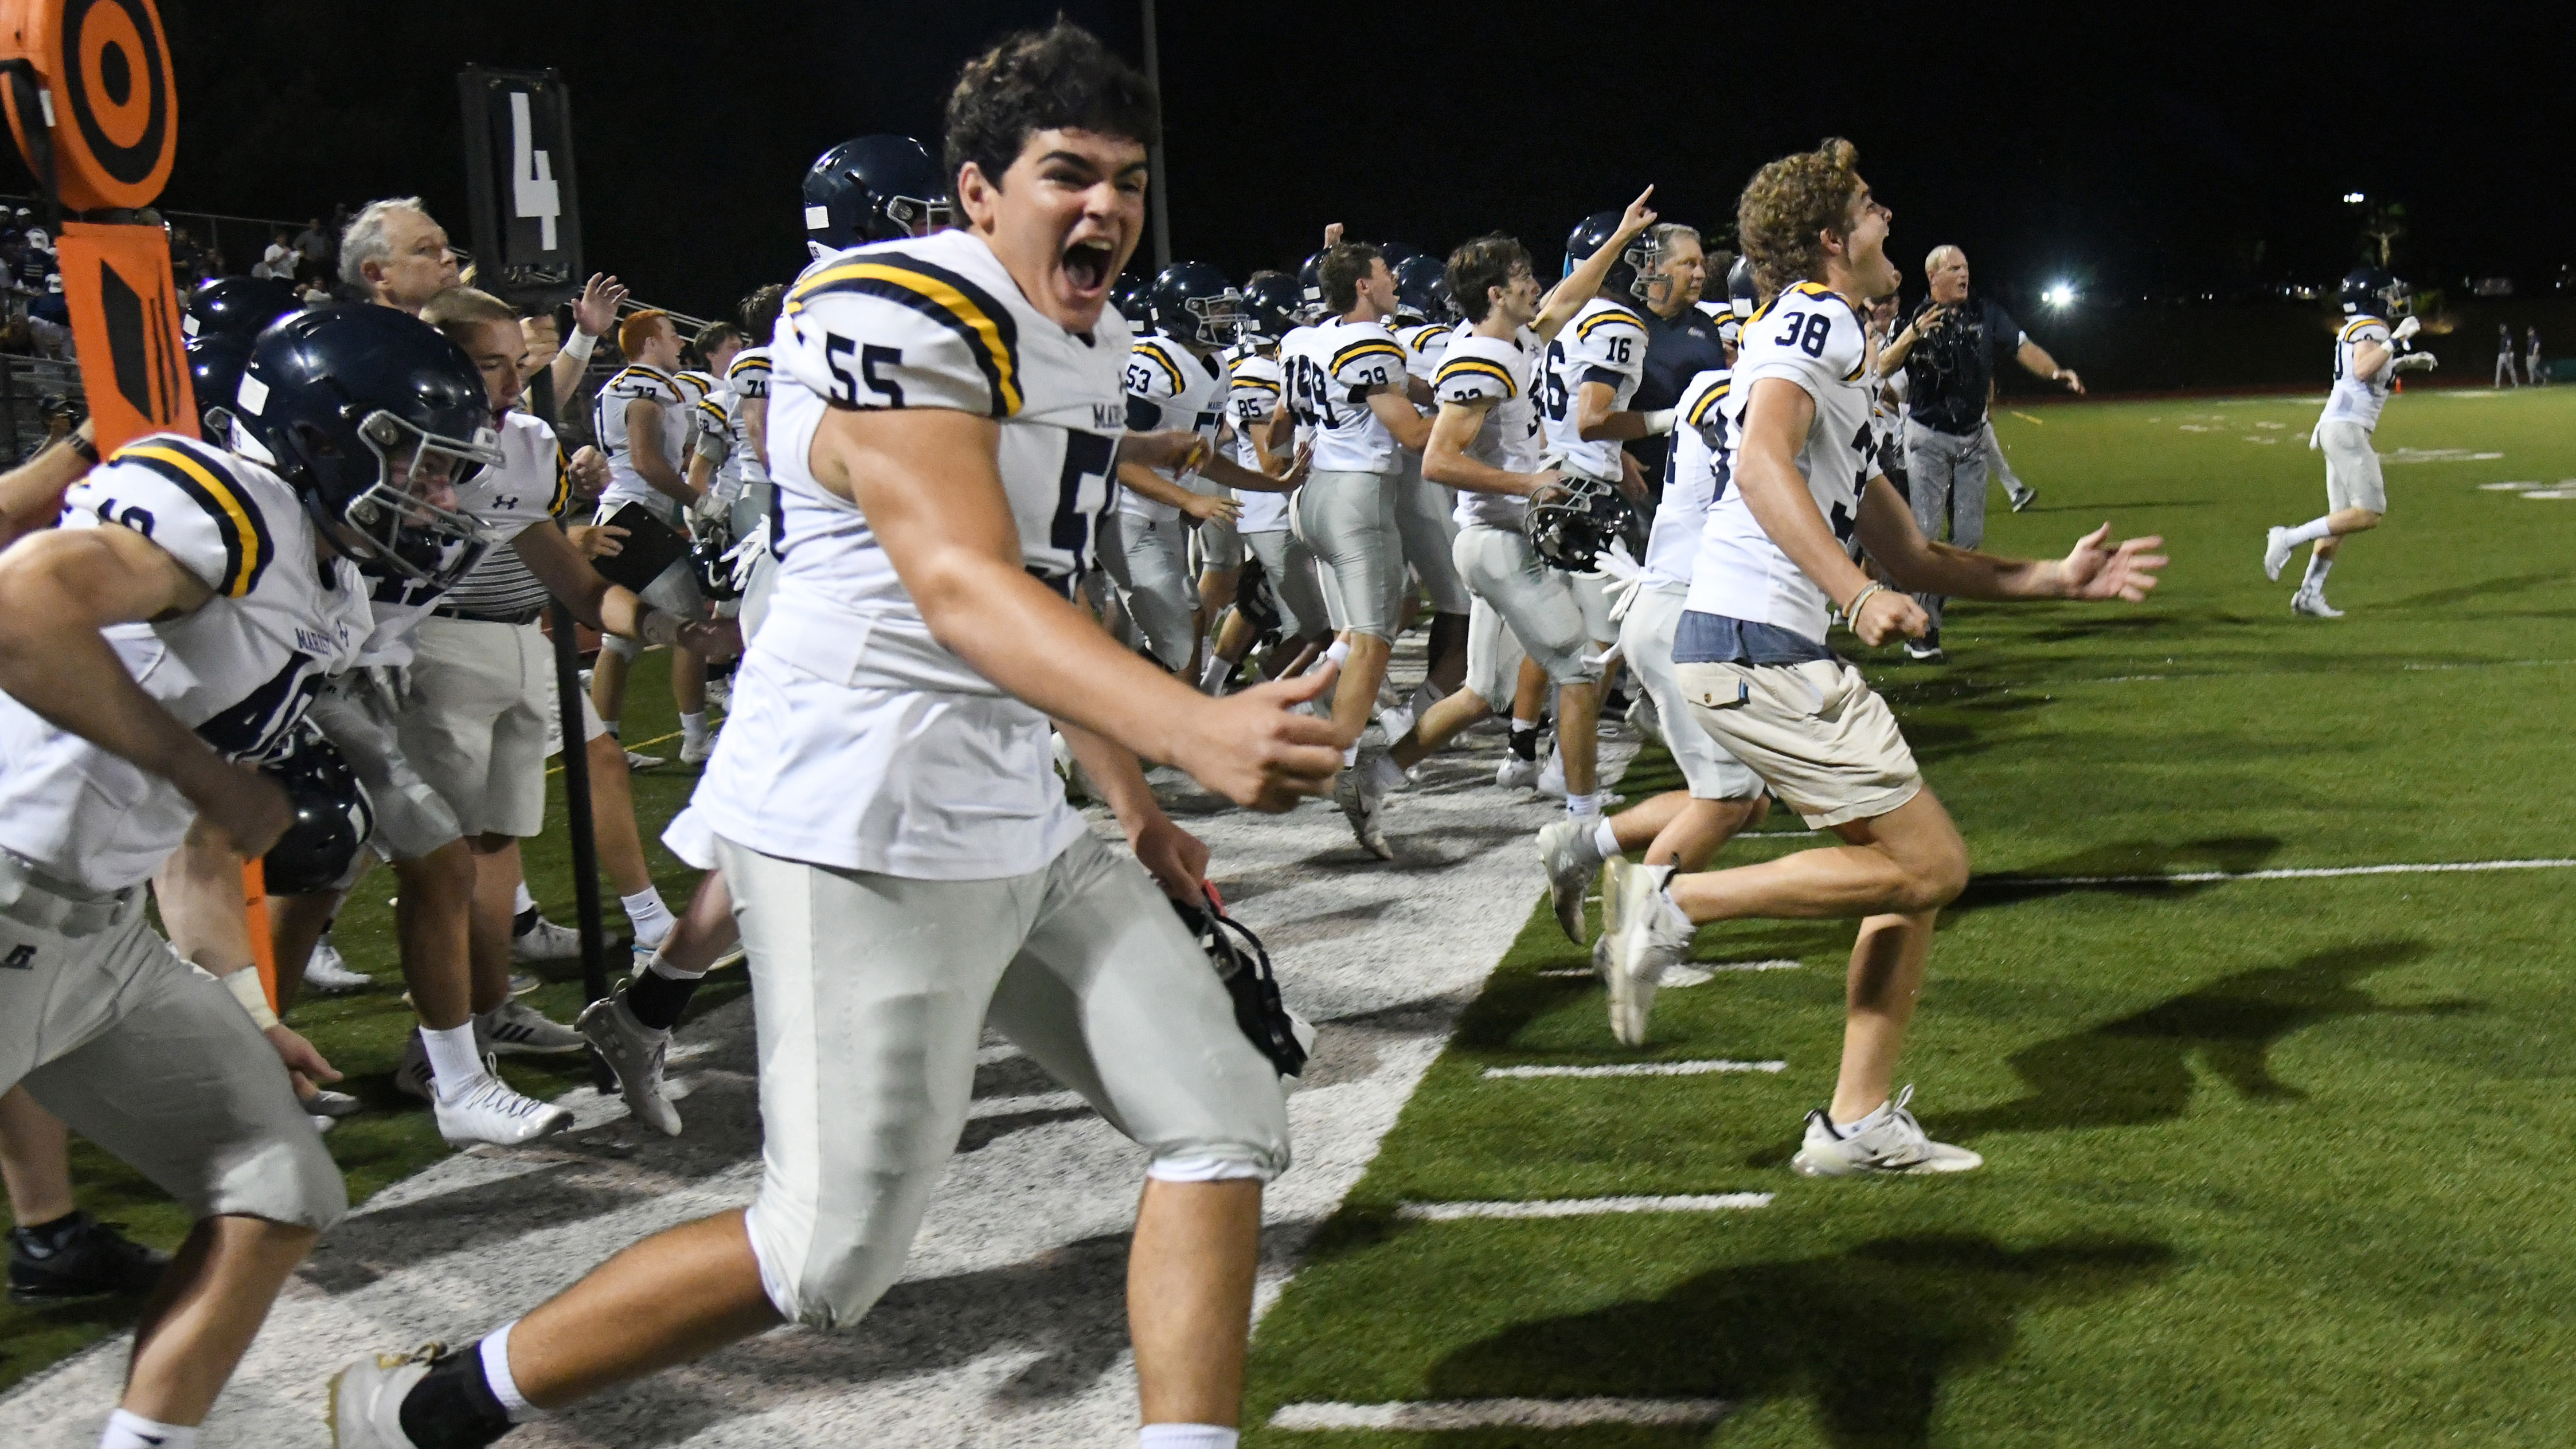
1155,183
576,762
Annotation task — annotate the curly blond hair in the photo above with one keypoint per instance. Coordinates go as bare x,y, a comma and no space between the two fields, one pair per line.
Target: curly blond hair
1788,203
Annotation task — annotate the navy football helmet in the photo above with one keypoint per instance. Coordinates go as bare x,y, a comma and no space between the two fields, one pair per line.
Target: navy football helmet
1422,285
1193,302
1637,260
1270,304
1572,527
2371,291
215,364
1310,289
1133,296
363,409
333,817
238,306
874,188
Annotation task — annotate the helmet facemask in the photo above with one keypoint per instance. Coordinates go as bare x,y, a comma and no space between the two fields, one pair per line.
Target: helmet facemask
911,216
1219,321
396,523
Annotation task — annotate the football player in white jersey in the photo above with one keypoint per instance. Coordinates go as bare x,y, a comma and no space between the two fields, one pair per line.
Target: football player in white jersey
643,422
1287,565
1425,521
1347,385
1486,443
157,644
1681,828
1776,557
2369,353
902,861
1177,378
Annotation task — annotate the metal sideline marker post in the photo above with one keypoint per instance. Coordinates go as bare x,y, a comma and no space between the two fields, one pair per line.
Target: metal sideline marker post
525,211
94,108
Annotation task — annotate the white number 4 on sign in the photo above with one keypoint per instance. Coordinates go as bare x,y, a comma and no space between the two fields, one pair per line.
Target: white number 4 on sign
533,193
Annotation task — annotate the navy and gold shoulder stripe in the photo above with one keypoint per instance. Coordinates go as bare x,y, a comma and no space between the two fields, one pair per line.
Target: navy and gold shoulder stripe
1707,404
1366,347
1457,367
562,497
638,373
1257,384
748,362
715,416
943,296
200,472
2356,324
1148,347
1620,315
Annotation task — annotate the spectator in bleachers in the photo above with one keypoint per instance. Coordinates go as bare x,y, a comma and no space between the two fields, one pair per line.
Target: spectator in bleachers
49,320
35,264
313,245
279,260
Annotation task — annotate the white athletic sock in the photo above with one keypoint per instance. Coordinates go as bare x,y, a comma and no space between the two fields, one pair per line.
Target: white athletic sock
1605,841
1339,654
523,902
454,1065
1580,808
2309,532
669,972
495,1353
1186,1436
1674,915
651,918
1862,1123
2315,582
133,1431
693,729
1350,757
611,726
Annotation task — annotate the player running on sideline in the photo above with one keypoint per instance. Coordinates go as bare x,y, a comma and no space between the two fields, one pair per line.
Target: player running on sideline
900,853
2368,357
1750,655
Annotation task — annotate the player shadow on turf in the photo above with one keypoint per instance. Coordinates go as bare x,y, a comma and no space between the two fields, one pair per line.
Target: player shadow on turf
2483,588
2135,1071
1868,1335
2088,870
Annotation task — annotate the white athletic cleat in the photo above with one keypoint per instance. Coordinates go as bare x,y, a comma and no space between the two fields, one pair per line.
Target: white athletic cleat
1361,793
1645,943
634,1052
365,1405
720,694
2021,498
523,983
327,1103
1397,721
2277,549
491,1111
545,941
515,1028
1551,776
412,1074
1888,1140
2312,602
327,971
636,761
1516,773
695,752
1571,863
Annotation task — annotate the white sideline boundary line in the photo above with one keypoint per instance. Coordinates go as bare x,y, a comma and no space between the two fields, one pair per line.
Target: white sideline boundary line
1440,1414
1570,972
1582,1207
2314,872
1634,1069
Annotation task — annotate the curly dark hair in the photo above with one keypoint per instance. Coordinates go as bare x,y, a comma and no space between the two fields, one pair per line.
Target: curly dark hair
1788,203
758,313
1480,265
1059,78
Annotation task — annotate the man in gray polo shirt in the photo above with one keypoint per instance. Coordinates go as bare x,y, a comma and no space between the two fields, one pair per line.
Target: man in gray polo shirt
1948,353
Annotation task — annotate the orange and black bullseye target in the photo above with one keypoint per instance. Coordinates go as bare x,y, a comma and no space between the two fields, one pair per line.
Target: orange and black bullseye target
106,67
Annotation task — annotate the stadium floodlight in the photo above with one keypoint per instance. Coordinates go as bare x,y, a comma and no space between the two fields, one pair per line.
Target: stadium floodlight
2060,294
2354,198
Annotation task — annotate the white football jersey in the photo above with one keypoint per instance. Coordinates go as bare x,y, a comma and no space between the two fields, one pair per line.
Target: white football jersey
1168,388
1424,344
1695,468
1496,374
856,738
1606,342
747,377
239,670
1253,394
1331,369
1812,337
2358,399
608,424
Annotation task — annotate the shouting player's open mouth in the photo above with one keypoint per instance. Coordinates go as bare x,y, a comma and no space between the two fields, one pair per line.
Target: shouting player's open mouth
1088,264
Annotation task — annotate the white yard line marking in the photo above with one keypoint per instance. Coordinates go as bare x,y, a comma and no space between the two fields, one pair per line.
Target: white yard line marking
2194,877
1583,1207
1442,1414
1633,1069
1037,1102
1571,972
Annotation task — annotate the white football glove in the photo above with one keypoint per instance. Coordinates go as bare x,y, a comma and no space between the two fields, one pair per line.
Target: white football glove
2406,327
2418,362
1659,422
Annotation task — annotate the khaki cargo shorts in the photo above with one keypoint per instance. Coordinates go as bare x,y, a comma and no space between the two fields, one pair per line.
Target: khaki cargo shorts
1814,733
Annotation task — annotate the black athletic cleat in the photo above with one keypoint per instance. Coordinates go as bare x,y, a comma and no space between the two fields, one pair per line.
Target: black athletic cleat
78,1257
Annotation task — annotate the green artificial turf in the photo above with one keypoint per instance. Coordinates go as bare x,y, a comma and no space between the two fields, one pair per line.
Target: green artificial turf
362,1034
2275,1162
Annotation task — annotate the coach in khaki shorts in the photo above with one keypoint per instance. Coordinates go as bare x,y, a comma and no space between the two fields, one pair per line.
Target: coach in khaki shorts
1778,558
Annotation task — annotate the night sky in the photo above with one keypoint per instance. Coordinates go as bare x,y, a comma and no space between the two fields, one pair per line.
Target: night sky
2143,152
